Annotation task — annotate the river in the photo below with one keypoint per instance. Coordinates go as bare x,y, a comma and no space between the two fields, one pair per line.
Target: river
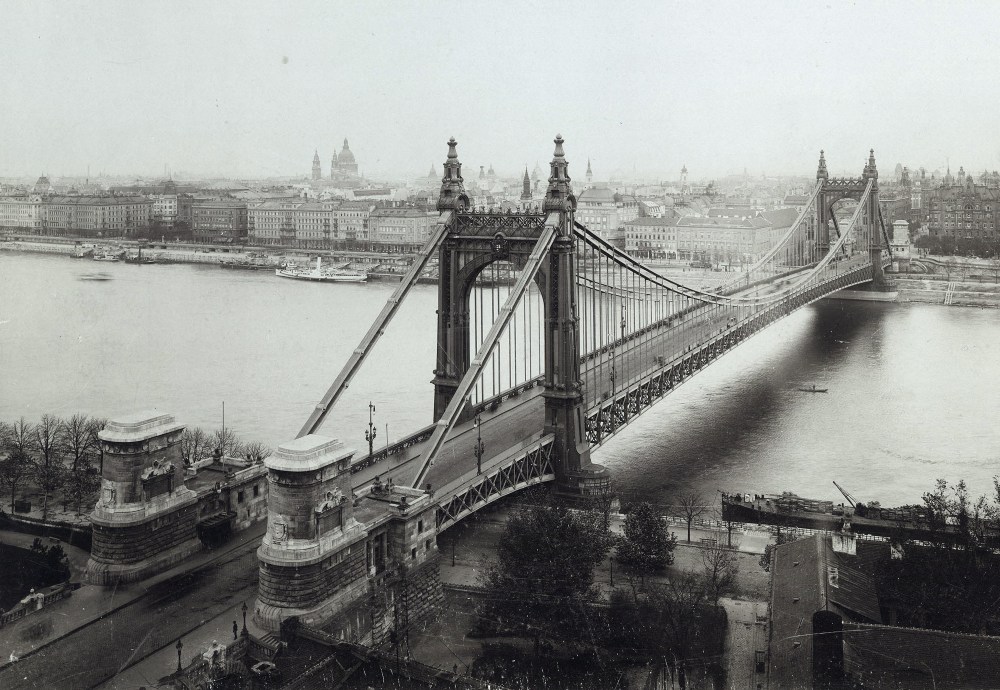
913,388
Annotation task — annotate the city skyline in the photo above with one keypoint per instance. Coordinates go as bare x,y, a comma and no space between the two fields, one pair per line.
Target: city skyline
251,92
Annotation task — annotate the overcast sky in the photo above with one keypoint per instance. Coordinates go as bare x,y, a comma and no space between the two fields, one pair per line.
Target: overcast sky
254,88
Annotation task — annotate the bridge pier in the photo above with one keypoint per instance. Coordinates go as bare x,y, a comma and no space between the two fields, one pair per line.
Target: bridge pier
145,518
363,566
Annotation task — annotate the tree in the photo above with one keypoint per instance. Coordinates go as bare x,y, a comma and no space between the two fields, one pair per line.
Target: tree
48,466
194,444
765,558
75,435
692,506
15,467
225,440
675,609
20,436
721,569
82,484
542,579
254,451
646,545
49,479
96,425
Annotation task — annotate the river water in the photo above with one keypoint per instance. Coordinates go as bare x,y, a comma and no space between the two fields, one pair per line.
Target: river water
914,389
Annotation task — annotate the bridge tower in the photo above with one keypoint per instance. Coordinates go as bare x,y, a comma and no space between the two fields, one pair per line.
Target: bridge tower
478,238
835,189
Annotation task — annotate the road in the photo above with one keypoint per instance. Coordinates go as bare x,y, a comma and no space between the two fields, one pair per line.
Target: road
520,420
169,610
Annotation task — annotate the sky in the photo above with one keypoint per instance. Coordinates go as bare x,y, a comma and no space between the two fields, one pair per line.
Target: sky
252,89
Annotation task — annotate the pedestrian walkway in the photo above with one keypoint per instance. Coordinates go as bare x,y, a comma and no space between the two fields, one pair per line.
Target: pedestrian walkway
91,603
162,663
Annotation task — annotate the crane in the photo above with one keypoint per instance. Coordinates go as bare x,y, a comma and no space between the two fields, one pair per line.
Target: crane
859,507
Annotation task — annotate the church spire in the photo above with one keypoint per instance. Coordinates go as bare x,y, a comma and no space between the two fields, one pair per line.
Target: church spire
317,171
559,195
821,173
870,169
452,195
526,186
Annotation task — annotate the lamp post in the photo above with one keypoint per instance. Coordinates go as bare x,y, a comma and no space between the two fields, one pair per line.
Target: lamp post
480,447
180,646
372,432
244,609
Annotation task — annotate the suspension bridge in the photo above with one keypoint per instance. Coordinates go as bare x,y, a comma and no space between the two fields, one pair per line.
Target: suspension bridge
550,340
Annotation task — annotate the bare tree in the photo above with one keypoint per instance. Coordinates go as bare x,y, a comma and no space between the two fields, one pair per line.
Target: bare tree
226,441
692,505
675,607
721,570
194,444
77,438
21,437
48,466
82,485
96,425
254,451
15,467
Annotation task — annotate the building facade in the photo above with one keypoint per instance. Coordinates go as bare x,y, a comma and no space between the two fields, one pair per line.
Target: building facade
966,210
94,216
653,238
400,229
219,220
21,212
597,209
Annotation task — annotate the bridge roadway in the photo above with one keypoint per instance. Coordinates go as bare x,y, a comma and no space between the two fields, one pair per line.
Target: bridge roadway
517,422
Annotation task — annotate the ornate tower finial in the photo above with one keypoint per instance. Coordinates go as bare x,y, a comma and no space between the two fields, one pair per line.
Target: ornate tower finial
821,173
559,195
452,195
870,169
526,186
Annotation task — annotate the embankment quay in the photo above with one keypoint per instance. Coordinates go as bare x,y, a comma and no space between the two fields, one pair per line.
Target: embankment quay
187,252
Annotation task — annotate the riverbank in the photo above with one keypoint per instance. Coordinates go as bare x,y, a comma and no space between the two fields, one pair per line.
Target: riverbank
383,264
934,289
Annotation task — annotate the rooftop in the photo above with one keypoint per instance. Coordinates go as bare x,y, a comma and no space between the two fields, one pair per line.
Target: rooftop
138,426
307,453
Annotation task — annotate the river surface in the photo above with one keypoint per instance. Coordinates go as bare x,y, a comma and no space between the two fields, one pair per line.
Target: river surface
914,389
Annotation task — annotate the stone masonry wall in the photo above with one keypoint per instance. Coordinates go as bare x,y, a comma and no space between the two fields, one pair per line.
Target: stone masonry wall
306,586
136,542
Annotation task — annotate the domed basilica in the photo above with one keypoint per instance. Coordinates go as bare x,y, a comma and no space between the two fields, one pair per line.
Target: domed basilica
342,165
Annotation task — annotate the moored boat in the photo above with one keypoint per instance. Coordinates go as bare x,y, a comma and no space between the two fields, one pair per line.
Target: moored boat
318,274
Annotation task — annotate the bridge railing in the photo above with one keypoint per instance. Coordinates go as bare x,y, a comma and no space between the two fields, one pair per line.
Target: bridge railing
392,449
607,416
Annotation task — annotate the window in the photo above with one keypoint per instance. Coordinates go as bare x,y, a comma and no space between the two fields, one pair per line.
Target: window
239,497
413,554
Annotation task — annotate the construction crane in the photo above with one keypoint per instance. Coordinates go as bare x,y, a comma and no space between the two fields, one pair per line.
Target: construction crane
859,508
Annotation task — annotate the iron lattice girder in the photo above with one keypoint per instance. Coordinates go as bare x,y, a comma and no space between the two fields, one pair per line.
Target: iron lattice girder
513,226
527,469
611,416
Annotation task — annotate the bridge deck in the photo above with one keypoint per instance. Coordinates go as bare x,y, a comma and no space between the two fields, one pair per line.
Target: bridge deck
516,423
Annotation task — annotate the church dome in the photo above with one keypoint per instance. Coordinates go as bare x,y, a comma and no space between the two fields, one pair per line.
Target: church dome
345,155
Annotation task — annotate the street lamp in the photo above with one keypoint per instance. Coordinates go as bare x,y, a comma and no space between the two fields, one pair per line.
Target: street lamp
480,447
180,646
372,431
